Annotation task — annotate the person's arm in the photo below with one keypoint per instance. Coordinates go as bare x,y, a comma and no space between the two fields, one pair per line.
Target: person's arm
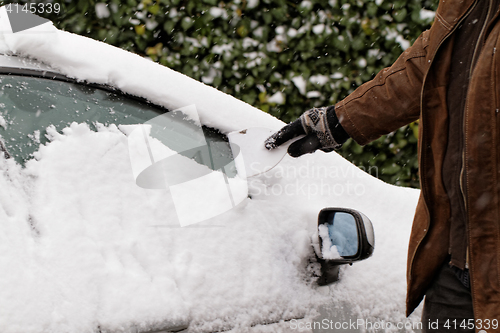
390,100
378,107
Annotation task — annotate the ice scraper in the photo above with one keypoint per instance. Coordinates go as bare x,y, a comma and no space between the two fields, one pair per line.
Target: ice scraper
256,158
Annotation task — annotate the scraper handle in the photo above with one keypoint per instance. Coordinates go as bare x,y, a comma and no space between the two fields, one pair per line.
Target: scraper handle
302,145
307,145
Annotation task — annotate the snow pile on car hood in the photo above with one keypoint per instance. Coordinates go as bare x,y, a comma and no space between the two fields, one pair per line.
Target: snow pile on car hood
83,246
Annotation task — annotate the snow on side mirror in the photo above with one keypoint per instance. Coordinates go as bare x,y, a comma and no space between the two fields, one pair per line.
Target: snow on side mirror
345,236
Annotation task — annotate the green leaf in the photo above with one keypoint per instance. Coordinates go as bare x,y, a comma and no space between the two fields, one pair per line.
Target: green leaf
187,23
400,15
154,9
140,29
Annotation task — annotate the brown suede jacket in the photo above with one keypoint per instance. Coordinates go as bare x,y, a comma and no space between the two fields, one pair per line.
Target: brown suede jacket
415,87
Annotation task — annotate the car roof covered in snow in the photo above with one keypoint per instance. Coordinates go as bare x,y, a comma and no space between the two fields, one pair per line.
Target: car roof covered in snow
45,47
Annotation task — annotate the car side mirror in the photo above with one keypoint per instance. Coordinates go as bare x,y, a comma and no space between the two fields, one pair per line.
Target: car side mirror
345,236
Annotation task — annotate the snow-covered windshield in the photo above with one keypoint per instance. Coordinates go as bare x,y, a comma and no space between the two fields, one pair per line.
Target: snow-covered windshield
28,105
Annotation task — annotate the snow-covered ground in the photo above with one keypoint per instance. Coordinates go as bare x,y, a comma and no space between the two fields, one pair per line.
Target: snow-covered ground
84,247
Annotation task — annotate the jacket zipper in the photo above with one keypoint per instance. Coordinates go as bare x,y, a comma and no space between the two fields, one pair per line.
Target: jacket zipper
462,170
424,187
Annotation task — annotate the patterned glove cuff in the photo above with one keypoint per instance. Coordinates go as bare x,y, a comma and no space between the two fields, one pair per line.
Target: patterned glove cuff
315,121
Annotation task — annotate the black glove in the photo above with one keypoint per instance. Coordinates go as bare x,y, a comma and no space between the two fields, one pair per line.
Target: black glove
321,127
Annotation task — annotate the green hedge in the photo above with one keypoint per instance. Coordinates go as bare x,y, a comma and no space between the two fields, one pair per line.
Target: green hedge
283,57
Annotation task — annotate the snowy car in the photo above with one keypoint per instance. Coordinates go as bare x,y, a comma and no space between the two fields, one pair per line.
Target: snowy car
97,235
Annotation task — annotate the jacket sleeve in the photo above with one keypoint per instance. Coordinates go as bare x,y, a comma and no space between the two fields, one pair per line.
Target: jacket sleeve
390,100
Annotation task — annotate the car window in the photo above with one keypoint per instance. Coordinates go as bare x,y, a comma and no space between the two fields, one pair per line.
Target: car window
28,105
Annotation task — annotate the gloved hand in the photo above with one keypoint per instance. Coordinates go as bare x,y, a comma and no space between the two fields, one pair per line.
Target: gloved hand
321,127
